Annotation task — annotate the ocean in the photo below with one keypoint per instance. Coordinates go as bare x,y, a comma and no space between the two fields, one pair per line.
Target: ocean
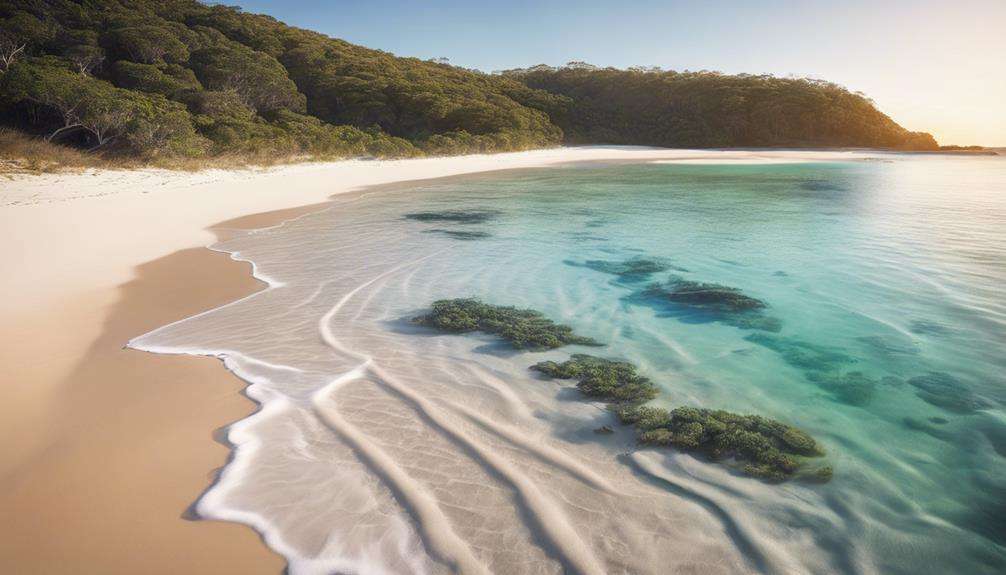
382,446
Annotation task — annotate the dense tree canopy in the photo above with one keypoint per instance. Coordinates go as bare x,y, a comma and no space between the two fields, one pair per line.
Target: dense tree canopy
178,77
709,109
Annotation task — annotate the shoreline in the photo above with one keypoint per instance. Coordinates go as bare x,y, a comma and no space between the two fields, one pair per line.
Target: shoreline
105,449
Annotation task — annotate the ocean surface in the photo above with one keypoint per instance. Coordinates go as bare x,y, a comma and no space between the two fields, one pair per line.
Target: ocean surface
385,447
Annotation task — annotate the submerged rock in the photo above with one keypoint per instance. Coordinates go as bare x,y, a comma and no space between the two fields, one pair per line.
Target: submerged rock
946,391
523,328
455,216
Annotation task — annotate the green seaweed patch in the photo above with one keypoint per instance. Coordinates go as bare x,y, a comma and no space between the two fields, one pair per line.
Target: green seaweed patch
467,235
523,328
765,448
709,296
604,379
455,216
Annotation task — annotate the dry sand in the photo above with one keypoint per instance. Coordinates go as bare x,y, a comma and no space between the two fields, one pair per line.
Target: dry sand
105,448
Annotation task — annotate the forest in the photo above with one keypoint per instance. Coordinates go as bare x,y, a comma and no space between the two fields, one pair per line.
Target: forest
152,79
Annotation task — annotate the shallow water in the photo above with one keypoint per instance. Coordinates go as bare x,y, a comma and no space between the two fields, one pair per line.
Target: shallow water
382,447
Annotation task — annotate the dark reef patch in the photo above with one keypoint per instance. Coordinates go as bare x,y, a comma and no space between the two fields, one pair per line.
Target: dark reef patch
824,366
946,391
523,328
917,424
708,296
820,186
630,271
802,354
888,347
697,302
467,235
455,216
853,388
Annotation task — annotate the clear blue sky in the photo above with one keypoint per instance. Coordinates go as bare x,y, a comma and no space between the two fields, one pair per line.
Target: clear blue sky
933,65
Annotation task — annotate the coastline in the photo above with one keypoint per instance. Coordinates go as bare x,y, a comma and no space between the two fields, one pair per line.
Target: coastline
114,444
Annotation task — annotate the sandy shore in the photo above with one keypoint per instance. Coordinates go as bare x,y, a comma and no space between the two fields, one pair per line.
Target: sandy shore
106,448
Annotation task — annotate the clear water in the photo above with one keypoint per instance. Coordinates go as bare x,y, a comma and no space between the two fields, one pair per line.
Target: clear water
382,447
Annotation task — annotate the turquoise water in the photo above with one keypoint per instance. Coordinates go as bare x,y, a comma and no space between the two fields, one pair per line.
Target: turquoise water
891,270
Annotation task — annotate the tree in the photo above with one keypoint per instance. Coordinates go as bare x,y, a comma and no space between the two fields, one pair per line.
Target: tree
258,78
105,111
17,33
149,44
45,83
85,57
10,48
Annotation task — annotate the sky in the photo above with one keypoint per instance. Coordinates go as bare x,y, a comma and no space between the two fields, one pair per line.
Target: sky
937,66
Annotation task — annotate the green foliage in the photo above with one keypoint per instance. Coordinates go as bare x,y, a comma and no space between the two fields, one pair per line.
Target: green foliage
165,79
147,44
256,77
146,124
710,109
605,379
523,328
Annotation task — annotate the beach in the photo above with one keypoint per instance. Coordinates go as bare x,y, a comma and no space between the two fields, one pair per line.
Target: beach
110,447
